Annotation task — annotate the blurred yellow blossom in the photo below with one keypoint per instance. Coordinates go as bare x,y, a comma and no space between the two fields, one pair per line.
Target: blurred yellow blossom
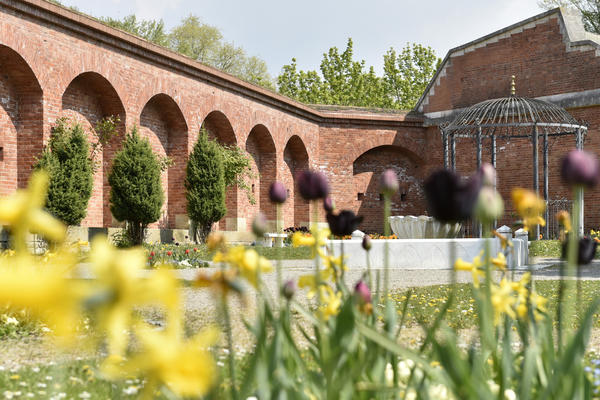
308,281
529,206
500,261
247,262
186,367
503,300
330,302
473,267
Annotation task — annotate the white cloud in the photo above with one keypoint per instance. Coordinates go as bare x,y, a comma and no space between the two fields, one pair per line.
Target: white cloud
153,9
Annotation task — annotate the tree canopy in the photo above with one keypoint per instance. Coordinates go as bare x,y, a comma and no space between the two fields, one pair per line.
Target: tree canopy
345,81
590,11
200,41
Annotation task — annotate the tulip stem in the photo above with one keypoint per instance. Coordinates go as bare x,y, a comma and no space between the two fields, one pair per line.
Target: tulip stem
572,255
231,356
279,255
386,250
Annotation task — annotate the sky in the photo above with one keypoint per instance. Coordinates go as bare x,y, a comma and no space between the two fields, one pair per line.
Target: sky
278,30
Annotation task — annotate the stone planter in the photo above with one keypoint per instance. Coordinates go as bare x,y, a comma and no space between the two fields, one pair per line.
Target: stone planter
422,227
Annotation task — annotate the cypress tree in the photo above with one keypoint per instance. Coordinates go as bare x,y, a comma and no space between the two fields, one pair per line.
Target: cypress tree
66,159
205,186
136,194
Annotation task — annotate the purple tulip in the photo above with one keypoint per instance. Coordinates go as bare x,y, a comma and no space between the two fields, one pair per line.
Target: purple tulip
361,290
328,204
277,193
366,242
344,223
288,289
259,224
389,182
580,168
586,250
450,199
489,174
312,185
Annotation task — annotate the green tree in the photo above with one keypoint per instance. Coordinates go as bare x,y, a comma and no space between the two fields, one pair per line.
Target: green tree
205,186
136,194
238,169
590,11
66,159
152,31
406,74
345,81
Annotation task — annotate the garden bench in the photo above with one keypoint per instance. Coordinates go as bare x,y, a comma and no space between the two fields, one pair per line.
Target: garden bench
272,239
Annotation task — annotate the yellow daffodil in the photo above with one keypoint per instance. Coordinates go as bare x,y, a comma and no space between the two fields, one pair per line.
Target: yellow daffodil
222,282
300,239
330,302
473,267
247,262
185,367
121,288
44,290
317,239
24,212
308,281
503,300
564,219
504,242
529,206
499,261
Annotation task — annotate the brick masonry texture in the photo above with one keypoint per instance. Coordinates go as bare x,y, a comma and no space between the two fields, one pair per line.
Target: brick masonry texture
55,63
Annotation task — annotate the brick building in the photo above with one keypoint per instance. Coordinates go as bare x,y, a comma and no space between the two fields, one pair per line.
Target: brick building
56,63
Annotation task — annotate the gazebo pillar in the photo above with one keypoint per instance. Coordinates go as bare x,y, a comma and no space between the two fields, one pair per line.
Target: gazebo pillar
494,150
536,180
545,161
445,146
478,138
453,151
579,146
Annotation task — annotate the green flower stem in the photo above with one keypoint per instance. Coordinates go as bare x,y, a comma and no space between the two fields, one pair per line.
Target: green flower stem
279,255
386,246
231,355
572,251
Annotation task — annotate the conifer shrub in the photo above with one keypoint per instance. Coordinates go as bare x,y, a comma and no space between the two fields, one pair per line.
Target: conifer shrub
67,161
136,194
205,186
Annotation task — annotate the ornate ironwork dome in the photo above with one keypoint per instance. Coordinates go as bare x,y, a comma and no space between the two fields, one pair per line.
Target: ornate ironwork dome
510,116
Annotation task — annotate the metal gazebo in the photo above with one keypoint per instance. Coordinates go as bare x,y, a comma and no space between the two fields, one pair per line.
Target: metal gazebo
513,117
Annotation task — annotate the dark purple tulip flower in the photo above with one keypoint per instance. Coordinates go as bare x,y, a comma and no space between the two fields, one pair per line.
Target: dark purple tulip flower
362,292
450,199
328,204
389,182
366,243
312,185
277,193
580,168
586,250
344,223
288,289
259,225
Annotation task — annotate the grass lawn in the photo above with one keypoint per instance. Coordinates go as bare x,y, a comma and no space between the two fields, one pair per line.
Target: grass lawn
545,248
426,302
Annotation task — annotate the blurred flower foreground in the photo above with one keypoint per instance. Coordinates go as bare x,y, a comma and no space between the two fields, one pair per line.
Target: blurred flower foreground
343,342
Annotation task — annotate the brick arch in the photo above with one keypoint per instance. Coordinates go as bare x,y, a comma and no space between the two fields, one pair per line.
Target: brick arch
411,145
88,98
219,128
366,171
21,120
261,147
163,123
297,210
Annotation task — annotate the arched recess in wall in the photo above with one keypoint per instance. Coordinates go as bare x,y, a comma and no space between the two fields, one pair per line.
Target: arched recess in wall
220,129
296,213
367,169
21,120
88,99
261,147
163,123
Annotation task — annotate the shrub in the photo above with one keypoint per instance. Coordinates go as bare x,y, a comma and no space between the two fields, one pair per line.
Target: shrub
66,159
205,186
136,194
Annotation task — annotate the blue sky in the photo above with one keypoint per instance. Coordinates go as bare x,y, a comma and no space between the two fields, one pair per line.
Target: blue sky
277,30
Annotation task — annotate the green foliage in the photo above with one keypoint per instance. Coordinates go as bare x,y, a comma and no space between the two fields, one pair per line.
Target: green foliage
589,9
205,185
153,31
238,169
66,159
406,74
136,194
545,248
344,81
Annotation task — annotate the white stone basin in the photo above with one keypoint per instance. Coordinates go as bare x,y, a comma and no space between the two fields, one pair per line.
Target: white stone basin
422,227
